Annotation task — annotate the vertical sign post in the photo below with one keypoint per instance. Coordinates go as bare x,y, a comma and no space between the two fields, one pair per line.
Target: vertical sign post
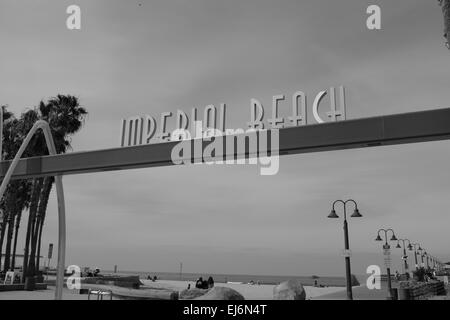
49,256
387,264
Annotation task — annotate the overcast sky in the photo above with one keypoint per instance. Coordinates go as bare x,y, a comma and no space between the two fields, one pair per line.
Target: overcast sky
166,55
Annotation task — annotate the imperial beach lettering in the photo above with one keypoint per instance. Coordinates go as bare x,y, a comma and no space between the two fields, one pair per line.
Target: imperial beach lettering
138,130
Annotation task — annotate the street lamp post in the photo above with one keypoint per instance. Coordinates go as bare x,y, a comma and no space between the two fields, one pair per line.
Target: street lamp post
405,257
415,253
355,214
422,251
386,246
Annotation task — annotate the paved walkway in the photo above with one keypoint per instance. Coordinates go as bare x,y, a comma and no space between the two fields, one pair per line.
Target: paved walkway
48,294
359,293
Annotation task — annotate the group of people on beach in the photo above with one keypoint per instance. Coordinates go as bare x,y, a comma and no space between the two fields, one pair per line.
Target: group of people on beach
154,278
204,284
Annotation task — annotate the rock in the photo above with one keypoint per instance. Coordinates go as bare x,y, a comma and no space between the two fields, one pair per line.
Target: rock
192,293
120,281
221,293
289,290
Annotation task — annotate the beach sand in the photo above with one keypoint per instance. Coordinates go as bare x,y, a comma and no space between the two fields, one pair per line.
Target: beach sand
250,292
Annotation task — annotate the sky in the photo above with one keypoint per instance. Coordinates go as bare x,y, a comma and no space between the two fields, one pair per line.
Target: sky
130,59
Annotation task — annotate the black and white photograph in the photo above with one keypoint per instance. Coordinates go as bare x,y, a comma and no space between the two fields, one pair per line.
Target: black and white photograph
245,151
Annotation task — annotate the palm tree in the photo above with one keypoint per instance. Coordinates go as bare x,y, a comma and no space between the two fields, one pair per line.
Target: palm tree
7,116
2,230
35,148
446,11
28,260
9,204
23,204
16,233
65,117
10,199
43,201
3,226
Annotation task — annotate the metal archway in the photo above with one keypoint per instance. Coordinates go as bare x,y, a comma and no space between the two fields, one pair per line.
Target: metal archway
41,124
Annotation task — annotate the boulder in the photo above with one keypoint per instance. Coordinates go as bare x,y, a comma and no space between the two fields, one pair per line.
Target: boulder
192,293
120,281
221,293
289,290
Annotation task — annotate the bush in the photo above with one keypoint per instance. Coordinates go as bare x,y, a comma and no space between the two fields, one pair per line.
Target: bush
419,274
410,284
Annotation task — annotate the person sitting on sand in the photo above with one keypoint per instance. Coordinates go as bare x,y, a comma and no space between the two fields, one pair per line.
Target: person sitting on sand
210,282
199,283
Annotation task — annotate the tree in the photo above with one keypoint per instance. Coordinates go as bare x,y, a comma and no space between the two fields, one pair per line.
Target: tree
35,148
7,116
10,208
3,226
43,201
65,117
14,198
446,11
24,203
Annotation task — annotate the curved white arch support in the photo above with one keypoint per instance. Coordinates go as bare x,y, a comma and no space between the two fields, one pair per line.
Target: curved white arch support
316,103
41,124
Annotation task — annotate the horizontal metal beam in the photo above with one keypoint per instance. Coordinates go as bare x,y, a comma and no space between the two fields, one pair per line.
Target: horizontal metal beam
367,132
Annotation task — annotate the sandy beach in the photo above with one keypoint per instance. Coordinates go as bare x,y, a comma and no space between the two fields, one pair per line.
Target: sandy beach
250,292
